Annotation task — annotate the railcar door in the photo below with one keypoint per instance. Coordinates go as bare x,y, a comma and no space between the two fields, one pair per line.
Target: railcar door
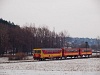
79,51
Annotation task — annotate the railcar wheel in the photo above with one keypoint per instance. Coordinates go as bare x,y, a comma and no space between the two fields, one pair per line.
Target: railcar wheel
64,57
81,56
57,58
88,56
40,59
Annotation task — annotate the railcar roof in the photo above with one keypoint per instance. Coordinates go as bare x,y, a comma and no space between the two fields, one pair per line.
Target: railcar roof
71,48
47,49
85,48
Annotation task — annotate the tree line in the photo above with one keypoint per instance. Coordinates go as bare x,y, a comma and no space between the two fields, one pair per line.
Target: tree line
14,38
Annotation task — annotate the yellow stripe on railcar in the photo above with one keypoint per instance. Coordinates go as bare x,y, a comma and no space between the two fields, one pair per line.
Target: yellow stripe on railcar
86,53
72,54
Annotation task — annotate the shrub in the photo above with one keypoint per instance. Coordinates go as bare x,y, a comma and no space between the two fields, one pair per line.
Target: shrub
18,56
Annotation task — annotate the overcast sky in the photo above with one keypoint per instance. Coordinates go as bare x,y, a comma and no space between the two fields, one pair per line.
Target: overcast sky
80,18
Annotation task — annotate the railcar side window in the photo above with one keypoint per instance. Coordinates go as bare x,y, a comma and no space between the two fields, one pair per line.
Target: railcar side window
76,50
86,50
72,50
49,51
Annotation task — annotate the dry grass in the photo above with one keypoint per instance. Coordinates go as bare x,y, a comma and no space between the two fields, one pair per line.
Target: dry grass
18,56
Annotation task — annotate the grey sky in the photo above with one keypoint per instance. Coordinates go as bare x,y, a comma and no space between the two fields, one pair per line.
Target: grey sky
81,18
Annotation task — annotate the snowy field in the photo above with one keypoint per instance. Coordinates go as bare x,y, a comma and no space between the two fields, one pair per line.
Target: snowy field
86,66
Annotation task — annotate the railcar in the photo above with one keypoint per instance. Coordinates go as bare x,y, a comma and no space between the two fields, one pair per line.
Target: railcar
85,52
47,53
70,52
56,53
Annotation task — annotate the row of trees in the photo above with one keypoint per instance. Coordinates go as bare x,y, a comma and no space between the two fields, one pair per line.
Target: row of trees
81,42
23,39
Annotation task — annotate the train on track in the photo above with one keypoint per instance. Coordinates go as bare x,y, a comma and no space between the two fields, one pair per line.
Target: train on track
61,53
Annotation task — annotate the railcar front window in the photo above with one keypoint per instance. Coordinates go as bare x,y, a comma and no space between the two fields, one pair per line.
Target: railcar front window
37,51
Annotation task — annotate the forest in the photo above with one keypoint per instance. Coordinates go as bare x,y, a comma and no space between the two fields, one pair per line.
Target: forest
14,38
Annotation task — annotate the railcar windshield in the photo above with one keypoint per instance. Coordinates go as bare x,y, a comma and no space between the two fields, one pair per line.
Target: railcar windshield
37,51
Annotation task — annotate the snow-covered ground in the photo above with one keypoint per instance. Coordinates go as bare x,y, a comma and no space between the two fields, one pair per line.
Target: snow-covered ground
87,66
3,59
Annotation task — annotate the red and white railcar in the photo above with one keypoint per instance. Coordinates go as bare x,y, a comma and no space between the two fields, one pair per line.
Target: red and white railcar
85,52
70,52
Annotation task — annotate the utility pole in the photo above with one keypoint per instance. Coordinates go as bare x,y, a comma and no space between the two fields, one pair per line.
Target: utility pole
86,46
98,44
